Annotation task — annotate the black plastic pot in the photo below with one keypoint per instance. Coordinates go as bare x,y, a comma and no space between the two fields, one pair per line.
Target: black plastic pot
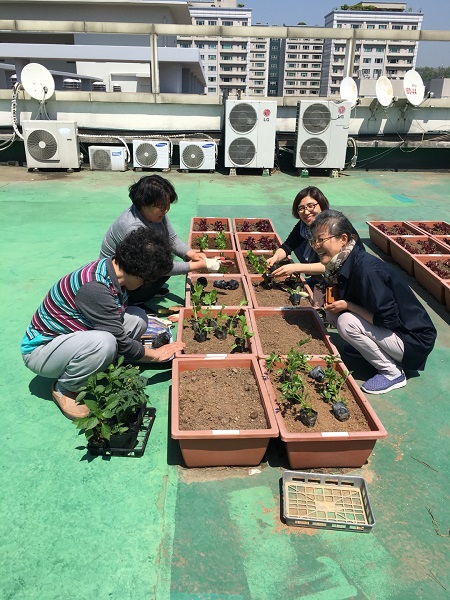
240,345
317,374
340,411
202,281
200,336
295,299
221,284
232,284
221,333
308,417
286,376
161,339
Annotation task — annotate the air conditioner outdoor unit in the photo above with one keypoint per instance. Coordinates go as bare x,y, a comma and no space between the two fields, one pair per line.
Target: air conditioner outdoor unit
51,144
107,158
322,134
198,155
250,128
152,154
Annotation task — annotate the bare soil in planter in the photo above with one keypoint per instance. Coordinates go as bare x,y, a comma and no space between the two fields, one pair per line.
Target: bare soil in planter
325,419
220,399
440,267
279,333
227,297
436,229
418,247
212,345
212,244
274,297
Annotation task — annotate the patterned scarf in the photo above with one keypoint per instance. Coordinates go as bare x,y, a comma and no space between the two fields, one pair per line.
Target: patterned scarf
308,253
333,267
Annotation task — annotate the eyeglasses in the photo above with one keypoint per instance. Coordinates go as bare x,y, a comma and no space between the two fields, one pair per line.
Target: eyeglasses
319,242
311,206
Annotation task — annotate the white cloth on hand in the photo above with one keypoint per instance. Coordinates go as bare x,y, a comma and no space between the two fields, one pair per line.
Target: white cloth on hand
213,264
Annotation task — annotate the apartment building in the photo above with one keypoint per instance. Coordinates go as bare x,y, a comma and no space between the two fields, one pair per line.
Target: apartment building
301,71
374,57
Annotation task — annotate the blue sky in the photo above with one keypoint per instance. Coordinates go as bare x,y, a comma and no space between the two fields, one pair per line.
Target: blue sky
436,15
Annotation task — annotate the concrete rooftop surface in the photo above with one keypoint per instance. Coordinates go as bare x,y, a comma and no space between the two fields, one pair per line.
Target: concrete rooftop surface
77,527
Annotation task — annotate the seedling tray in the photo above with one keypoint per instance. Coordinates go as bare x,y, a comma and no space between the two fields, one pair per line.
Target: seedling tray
142,439
326,501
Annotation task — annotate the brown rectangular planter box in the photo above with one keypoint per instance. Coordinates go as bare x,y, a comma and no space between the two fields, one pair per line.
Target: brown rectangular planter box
233,255
246,267
253,224
444,240
427,227
242,237
426,277
446,284
254,280
227,447
318,331
329,449
186,313
194,236
210,222
243,289
382,240
404,258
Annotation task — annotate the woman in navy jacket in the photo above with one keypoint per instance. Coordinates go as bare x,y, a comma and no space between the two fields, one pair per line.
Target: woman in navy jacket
374,309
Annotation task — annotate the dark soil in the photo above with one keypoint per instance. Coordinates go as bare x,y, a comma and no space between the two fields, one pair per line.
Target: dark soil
212,345
232,269
279,333
212,243
436,229
252,270
220,399
274,297
419,246
251,243
262,226
395,230
325,419
210,225
440,267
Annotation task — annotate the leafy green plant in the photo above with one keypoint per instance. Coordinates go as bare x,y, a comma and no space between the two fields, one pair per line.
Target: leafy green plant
197,292
292,390
220,241
273,359
114,397
334,381
203,242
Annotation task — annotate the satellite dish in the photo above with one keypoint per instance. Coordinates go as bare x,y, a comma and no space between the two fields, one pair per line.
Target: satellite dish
38,81
384,91
413,87
348,90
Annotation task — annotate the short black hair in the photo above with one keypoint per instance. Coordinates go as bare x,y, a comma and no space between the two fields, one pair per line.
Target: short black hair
145,254
334,221
314,193
152,190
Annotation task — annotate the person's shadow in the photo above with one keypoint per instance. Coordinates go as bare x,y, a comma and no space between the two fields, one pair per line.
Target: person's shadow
41,387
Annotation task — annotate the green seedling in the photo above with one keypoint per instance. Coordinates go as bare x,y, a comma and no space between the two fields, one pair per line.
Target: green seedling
203,242
221,241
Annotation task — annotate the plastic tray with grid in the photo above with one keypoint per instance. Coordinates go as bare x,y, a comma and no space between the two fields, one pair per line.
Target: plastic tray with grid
326,501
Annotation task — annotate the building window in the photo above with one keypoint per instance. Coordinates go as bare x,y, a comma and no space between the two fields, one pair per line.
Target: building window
368,48
303,83
365,72
273,65
212,90
212,44
376,73
315,83
379,49
212,22
414,27
260,46
314,92
212,68
258,64
200,22
397,26
378,61
202,56
317,47
305,47
290,82
289,65
185,45
227,23
290,74
303,74
200,45
226,68
382,26
226,46
259,55
302,92
356,26
292,56
339,26
211,79
211,56
370,26
304,65
259,73
316,56
367,60
315,66
289,91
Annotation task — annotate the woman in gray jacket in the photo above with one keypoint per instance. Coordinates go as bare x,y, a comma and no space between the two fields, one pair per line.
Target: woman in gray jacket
151,199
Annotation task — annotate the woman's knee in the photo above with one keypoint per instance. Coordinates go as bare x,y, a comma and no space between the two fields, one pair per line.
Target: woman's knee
347,323
105,347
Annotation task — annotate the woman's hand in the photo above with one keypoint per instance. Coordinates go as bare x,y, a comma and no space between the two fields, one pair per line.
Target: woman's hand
337,306
194,255
280,254
287,269
197,265
163,353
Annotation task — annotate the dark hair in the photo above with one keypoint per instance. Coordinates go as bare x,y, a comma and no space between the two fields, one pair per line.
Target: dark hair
145,254
334,221
152,190
315,193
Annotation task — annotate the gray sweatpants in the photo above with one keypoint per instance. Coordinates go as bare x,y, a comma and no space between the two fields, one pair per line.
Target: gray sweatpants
74,357
381,347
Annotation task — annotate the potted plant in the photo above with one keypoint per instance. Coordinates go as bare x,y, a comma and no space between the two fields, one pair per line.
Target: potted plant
117,400
210,224
231,294
236,419
380,232
404,247
258,241
253,225
345,429
212,240
431,271
232,266
432,227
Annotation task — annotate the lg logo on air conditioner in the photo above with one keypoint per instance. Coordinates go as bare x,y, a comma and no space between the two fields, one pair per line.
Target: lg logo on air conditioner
266,114
341,112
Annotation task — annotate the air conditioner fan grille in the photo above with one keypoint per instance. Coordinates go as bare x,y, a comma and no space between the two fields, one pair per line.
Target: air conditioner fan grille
316,118
241,151
313,152
41,144
193,156
101,159
243,118
146,155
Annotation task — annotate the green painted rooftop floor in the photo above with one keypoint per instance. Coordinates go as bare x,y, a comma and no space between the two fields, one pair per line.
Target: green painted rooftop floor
77,528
